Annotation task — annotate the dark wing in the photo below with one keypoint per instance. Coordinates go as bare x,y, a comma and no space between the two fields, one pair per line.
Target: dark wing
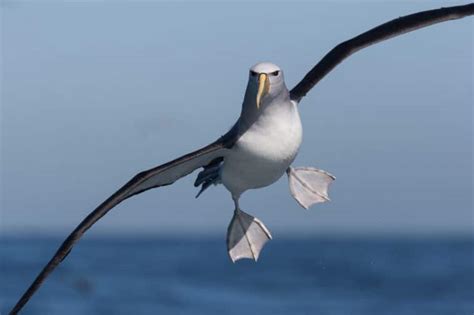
380,33
161,175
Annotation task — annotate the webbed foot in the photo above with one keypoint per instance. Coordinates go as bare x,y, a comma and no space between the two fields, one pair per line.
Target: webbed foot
309,185
246,236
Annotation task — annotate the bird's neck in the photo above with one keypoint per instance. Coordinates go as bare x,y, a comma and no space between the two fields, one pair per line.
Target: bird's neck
271,102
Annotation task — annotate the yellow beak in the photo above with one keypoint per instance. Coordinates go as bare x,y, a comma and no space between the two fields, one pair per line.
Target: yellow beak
263,87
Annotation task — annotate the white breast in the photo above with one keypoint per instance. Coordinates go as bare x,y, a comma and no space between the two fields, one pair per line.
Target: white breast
264,152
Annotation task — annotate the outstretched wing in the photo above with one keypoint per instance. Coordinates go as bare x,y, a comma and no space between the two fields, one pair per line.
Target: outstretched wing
380,33
161,175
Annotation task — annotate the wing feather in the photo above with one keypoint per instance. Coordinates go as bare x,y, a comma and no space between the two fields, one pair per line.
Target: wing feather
162,175
380,33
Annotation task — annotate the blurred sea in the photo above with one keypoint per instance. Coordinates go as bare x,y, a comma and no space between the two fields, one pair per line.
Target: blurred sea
317,275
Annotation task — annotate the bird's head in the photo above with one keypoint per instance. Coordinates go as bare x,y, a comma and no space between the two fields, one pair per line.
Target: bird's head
266,79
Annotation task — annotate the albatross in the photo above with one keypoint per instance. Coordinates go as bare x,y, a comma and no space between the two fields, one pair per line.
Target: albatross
258,150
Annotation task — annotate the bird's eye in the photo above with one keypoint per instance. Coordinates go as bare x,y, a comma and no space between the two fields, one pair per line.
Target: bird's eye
275,73
253,73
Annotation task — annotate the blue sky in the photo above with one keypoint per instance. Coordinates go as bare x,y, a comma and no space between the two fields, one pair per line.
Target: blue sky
93,92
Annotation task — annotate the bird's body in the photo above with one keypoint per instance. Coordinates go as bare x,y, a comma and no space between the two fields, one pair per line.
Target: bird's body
269,139
264,152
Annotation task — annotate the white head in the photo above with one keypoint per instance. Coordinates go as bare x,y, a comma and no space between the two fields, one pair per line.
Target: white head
265,81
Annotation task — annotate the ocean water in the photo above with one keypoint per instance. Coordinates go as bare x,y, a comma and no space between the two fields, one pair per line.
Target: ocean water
317,275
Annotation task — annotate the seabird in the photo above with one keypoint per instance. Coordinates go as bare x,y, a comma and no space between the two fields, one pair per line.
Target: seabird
258,149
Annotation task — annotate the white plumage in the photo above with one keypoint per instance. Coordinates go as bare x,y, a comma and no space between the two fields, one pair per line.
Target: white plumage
267,145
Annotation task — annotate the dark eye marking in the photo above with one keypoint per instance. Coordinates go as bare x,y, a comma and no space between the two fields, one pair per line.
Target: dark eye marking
253,73
275,73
